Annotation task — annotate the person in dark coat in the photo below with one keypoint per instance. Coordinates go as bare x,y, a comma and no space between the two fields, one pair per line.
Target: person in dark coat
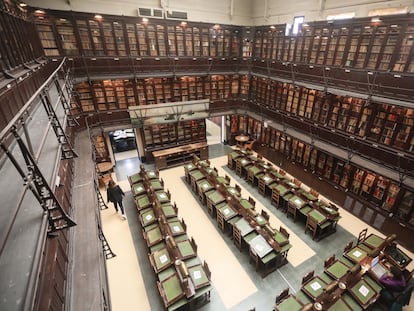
115,195
394,283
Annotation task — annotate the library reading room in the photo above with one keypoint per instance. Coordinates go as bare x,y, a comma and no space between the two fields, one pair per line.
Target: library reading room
239,155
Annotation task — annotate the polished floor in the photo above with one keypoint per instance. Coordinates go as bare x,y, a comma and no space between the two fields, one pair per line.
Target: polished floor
236,285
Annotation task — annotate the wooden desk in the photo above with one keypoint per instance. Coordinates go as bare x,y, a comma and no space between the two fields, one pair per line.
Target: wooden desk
314,287
203,186
356,254
176,227
373,241
170,290
168,210
291,303
340,305
295,203
160,260
161,196
264,183
156,185
242,139
104,167
185,249
179,155
147,217
142,201
397,257
337,270
232,157
187,169
259,246
138,189
363,293
254,172
135,178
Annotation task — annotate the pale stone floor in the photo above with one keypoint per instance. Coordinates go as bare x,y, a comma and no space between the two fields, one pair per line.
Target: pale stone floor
236,286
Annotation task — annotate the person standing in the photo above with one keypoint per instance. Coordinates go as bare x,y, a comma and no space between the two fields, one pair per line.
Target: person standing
115,195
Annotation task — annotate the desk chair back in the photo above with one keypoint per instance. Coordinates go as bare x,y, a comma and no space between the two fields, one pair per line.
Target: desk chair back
329,261
252,201
362,235
249,145
312,225
284,232
348,246
308,276
282,295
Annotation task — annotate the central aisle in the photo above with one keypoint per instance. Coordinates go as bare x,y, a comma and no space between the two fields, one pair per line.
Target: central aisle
227,272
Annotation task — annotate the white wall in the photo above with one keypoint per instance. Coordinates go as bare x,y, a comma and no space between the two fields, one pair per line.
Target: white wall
281,11
212,11
244,12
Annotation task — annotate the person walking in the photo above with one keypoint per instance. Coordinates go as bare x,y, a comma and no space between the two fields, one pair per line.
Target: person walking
115,195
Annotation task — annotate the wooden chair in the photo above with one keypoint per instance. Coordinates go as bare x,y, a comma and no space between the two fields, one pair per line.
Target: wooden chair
207,270
239,168
312,226
297,182
265,215
252,201
230,163
291,211
193,245
262,187
348,246
250,177
253,257
183,224
324,202
352,274
200,194
259,156
282,295
227,178
249,145
220,220
282,172
210,207
308,276
168,194
314,193
362,236
238,188
275,198
329,261
284,232
237,238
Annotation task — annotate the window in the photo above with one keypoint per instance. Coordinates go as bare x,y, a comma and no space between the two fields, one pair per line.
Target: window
296,22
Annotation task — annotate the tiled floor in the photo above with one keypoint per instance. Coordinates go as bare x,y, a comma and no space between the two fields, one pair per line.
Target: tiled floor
237,286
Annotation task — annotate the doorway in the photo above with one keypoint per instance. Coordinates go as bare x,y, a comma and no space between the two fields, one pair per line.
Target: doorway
123,144
213,130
